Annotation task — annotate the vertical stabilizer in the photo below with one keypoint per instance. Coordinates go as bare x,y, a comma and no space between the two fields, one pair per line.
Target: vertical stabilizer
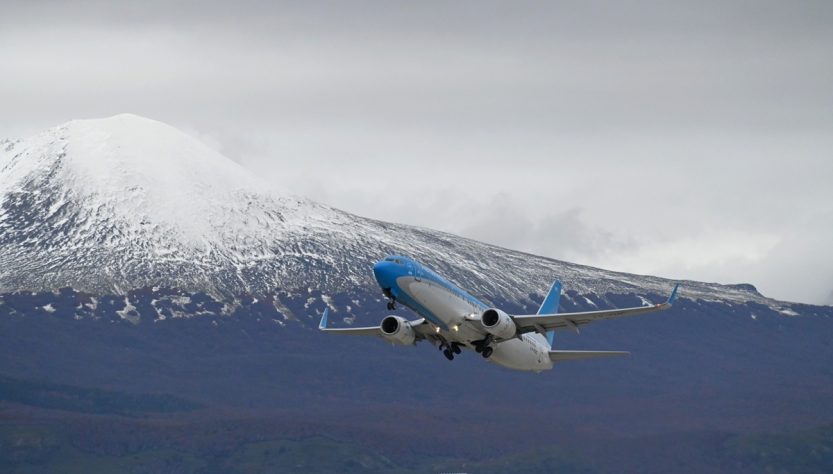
550,306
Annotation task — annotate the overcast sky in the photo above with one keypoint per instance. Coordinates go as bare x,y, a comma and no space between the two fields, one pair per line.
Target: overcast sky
687,140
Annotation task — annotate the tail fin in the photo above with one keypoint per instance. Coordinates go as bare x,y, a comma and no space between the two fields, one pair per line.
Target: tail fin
550,306
673,297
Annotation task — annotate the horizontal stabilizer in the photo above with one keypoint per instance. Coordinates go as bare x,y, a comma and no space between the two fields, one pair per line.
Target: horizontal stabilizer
558,356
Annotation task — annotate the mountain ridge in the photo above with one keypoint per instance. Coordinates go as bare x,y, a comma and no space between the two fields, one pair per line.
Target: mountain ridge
110,205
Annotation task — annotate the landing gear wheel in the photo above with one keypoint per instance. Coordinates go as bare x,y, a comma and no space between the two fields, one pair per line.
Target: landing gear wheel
481,345
456,348
448,354
391,307
487,352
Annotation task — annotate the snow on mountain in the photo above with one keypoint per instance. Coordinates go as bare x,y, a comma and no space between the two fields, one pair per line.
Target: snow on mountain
114,204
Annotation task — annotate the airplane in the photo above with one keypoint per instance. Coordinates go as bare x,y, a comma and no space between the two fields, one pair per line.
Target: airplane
452,319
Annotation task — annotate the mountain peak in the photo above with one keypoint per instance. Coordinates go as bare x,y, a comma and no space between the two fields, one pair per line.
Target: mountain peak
129,150
141,171
125,202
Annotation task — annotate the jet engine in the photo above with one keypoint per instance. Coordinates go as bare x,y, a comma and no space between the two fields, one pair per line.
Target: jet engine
498,324
398,331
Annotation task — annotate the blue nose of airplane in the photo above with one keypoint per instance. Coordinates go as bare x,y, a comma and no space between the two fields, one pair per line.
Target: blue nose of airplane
385,273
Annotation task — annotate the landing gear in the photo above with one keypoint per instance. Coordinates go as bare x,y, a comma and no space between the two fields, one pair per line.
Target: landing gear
449,349
483,348
391,299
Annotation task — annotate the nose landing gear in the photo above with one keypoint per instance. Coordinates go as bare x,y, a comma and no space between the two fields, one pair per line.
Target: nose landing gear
391,299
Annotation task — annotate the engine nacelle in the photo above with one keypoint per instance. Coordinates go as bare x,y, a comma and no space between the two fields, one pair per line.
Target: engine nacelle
498,324
398,331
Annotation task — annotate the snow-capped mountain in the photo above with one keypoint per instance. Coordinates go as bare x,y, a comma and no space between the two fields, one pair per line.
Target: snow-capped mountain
125,202
188,276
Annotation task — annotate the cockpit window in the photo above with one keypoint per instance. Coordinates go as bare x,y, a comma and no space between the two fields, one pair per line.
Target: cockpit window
395,260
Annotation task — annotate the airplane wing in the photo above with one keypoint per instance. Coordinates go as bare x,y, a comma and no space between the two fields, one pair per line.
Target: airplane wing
546,322
559,356
368,331
421,329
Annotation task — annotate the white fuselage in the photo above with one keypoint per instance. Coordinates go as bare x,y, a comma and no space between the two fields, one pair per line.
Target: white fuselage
460,313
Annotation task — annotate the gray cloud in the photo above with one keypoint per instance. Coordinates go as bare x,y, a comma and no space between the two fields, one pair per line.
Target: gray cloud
688,139
564,233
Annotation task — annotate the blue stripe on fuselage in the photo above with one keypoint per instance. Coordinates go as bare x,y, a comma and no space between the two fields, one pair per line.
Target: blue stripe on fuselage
389,270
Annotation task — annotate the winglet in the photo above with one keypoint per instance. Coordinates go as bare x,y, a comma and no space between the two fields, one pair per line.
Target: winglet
673,296
323,324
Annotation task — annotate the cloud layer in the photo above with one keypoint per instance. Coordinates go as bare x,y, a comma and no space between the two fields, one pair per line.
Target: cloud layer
687,140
